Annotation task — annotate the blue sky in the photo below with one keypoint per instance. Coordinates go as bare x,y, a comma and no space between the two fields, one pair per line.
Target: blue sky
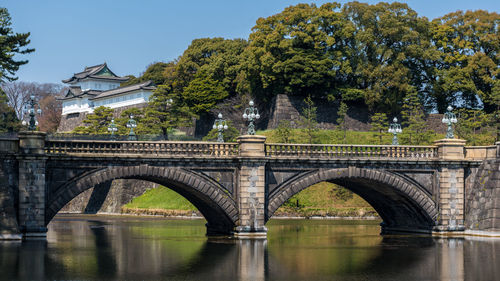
129,35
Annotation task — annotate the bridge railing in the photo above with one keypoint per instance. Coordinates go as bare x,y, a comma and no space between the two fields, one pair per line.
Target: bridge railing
480,152
159,148
344,151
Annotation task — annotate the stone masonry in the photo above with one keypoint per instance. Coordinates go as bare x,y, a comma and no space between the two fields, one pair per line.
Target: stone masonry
238,186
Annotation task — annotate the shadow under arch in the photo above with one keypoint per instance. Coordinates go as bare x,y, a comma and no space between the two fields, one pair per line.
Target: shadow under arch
402,205
215,204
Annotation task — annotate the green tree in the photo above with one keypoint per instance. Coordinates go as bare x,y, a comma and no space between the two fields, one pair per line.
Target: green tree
229,135
379,125
154,72
8,118
413,119
308,120
284,131
471,123
469,63
11,44
166,111
389,52
138,113
342,113
96,123
294,52
203,93
215,59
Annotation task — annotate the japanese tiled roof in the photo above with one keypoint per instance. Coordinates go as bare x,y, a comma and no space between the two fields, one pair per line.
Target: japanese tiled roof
148,85
76,91
92,72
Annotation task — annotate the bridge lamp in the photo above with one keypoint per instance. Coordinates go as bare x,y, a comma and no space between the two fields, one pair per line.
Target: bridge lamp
449,118
221,125
112,128
395,129
30,108
132,124
251,114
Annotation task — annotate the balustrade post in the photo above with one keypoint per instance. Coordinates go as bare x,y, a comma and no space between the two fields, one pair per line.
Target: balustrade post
451,185
251,187
31,187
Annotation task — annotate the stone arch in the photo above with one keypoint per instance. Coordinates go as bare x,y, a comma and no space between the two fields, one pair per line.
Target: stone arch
217,206
402,205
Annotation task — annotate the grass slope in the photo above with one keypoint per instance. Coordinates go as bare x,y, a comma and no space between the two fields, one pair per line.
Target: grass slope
161,198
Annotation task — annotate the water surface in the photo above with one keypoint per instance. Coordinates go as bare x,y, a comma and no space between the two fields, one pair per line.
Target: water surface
86,247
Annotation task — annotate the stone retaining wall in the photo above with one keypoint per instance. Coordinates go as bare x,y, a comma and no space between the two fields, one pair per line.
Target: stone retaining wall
482,204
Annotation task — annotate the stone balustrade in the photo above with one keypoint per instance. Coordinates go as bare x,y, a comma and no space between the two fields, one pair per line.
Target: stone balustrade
480,152
344,151
166,148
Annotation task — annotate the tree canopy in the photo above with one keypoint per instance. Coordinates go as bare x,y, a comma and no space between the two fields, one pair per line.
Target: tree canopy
11,44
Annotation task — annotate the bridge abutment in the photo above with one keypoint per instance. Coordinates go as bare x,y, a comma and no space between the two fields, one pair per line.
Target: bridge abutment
32,161
451,194
251,187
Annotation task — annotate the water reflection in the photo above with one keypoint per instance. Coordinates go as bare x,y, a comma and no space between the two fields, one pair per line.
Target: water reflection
107,248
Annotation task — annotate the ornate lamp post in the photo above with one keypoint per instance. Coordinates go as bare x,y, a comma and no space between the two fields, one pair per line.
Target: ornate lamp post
30,107
395,129
449,118
251,113
112,128
131,124
221,125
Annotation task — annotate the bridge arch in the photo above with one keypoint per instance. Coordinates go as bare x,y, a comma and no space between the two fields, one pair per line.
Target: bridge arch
402,205
217,206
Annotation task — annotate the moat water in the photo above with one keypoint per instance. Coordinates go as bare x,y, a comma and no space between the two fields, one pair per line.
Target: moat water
131,248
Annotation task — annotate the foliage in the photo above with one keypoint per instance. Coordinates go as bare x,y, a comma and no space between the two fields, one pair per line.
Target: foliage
468,66
97,122
138,114
229,135
8,118
203,93
308,120
379,126
161,116
342,113
11,44
154,72
284,131
294,52
413,119
473,125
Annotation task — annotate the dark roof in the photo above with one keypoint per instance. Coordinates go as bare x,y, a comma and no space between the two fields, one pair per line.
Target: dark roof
95,73
148,85
76,92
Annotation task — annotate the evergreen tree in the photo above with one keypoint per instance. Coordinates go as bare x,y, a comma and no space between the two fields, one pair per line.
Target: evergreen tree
11,44
413,119
96,123
379,125
284,131
342,113
166,111
8,118
229,135
308,120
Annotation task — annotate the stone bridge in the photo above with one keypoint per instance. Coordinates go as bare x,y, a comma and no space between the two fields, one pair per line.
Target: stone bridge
238,186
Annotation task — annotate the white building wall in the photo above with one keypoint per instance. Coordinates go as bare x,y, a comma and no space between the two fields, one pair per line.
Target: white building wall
97,85
84,105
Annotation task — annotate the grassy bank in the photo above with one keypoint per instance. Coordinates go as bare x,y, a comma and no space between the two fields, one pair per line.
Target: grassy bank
322,199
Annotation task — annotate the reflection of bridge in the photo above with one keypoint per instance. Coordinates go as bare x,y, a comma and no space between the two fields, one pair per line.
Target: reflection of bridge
238,186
